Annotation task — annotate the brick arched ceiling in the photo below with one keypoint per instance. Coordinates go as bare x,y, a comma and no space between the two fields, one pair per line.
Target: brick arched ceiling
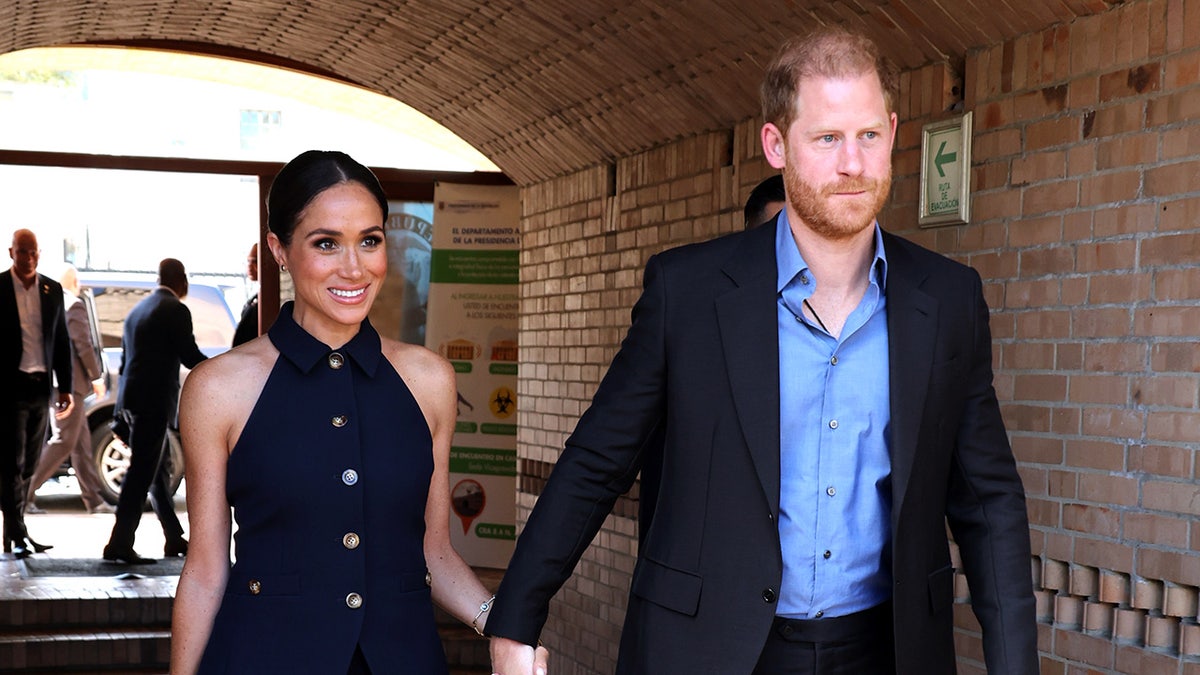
542,87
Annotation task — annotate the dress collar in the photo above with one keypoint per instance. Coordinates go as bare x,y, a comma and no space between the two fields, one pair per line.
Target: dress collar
306,351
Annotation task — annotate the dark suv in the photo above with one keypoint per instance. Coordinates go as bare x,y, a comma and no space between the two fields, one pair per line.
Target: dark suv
108,297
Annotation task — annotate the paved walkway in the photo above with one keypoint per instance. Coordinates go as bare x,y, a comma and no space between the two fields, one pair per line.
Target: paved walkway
77,534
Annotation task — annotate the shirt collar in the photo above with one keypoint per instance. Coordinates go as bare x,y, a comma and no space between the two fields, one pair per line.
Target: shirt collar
791,264
306,351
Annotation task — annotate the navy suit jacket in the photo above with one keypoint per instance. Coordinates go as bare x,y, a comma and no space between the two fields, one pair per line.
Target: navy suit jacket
701,359
156,340
55,341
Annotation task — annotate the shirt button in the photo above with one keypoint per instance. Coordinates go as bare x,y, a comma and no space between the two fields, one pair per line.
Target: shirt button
255,587
354,601
820,613
336,361
833,424
339,421
827,554
804,279
768,595
350,541
349,476
833,361
831,491
428,578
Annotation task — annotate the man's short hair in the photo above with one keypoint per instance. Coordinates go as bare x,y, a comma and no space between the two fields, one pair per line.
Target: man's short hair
827,52
171,273
768,191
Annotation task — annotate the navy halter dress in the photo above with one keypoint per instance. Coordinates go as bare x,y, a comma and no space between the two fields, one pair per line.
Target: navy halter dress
328,483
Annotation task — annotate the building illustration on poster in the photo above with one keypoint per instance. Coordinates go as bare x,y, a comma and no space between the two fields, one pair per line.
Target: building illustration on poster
472,322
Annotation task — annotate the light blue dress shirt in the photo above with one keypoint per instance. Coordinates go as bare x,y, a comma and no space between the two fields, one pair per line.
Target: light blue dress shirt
835,459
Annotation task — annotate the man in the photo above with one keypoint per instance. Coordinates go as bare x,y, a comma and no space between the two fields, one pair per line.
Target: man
247,328
33,344
157,338
765,202
826,395
70,436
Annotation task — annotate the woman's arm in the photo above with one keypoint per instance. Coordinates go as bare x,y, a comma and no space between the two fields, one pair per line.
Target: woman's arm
204,426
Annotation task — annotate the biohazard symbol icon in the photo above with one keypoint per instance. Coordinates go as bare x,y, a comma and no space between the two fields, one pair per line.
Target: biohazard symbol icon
503,402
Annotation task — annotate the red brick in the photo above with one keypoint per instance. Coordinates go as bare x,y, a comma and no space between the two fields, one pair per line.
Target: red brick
1036,293
1066,421
1167,180
1027,232
1025,418
1062,484
1095,520
1124,151
990,145
1106,322
1000,204
1106,256
1178,427
1108,489
1175,357
1095,454
1044,324
1037,449
1069,355
1137,80
1171,496
1045,197
1109,422
1044,512
1110,187
1040,103
1051,133
1181,568
1167,321
1165,391
1057,260
1028,356
1039,166
996,265
1076,646
1111,555
1181,143
1118,288
1114,357
1041,387
1179,106
1155,529
1129,219
1181,70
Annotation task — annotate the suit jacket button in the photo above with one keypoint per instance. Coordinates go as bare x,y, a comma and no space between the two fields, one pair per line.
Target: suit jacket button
336,361
350,540
354,601
255,586
339,421
768,595
349,476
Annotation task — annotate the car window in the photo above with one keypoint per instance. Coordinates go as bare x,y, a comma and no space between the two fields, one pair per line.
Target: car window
212,321
112,306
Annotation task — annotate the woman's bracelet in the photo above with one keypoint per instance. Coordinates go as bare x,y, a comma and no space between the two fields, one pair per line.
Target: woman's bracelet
483,607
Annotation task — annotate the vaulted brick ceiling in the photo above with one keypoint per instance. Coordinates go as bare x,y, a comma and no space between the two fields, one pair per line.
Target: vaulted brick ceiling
542,87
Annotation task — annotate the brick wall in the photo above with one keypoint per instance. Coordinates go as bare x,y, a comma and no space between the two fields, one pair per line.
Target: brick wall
1086,192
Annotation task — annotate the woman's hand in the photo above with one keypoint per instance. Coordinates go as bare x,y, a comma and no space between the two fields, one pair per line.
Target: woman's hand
510,657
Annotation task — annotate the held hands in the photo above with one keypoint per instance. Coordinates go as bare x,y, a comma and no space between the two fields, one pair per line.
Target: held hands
510,657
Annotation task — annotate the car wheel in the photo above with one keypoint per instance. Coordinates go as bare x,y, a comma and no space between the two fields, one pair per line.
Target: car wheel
112,461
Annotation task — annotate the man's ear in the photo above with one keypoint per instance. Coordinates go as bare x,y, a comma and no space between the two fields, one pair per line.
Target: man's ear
774,143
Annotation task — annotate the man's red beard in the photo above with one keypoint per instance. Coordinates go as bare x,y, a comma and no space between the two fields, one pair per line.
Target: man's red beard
840,219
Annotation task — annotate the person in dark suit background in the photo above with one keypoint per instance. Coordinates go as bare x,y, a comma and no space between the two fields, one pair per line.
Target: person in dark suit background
157,338
825,394
69,436
247,328
33,344
765,202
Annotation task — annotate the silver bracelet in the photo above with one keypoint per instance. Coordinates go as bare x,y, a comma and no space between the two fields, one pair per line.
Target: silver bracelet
483,607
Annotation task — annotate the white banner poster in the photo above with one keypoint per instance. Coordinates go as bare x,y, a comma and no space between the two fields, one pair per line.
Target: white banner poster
472,321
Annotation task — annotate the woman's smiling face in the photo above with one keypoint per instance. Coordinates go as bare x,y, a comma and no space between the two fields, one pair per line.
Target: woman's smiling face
338,259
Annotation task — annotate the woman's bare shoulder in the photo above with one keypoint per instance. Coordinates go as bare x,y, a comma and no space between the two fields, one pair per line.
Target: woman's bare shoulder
415,362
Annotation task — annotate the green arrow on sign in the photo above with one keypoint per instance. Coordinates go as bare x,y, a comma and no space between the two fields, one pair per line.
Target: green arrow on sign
939,159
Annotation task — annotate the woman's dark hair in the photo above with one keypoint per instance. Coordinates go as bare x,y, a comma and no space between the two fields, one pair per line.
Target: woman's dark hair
308,175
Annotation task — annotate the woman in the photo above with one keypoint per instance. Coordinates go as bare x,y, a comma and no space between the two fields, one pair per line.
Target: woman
332,447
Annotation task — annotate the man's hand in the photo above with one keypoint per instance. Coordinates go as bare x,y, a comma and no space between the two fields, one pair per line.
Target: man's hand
99,388
510,657
62,407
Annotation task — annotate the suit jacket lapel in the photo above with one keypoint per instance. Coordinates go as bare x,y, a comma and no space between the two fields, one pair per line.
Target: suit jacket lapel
750,339
10,317
912,325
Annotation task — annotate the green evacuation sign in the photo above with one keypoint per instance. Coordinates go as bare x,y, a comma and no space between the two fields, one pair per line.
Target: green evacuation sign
945,170
945,184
